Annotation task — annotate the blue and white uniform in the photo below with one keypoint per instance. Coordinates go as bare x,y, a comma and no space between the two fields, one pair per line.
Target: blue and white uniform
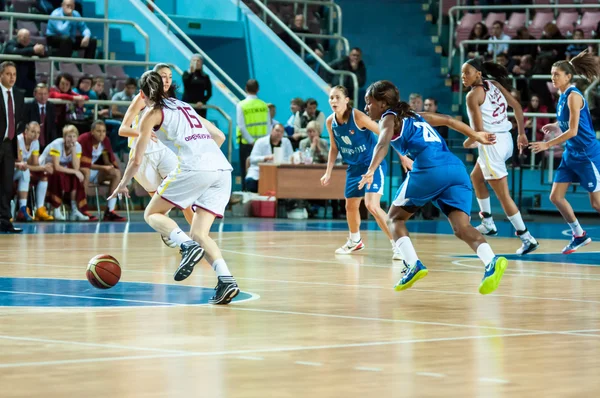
581,158
437,175
356,146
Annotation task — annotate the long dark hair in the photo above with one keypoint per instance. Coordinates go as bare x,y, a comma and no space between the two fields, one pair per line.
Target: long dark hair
151,85
348,110
492,71
173,88
386,91
584,64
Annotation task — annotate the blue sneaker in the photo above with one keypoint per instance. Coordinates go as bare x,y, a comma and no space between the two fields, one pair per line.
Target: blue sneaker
493,275
411,275
576,243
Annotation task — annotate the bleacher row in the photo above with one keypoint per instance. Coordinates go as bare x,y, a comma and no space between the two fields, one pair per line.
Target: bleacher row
566,21
286,12
114,75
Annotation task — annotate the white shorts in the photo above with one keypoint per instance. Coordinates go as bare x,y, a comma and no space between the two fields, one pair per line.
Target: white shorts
208,190
492,158
154,168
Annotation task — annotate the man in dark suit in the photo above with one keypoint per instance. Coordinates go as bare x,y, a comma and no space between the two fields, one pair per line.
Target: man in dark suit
44,113
11,114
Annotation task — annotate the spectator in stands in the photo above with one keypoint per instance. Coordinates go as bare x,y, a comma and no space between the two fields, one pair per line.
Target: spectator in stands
197,88
504,60
572,49
22,45
98,165
272,113
296,106
302,119
352,63
62,35
431,105
252,117
63,89
98,87
263,152
84,87
319,148
118,111
553,51
479,32
534,105
498,34
521,72
64,154
519,50
415,101
44,113
298,26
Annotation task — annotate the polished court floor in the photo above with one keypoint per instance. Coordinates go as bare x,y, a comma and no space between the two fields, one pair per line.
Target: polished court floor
308,323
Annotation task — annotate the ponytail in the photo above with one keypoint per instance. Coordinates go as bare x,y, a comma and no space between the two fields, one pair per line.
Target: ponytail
584,64
151,85
491,71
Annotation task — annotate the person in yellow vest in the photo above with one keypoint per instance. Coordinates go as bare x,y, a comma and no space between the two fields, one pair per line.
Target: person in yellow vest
253,121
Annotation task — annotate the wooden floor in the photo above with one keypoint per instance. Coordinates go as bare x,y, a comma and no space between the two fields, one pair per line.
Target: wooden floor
323,326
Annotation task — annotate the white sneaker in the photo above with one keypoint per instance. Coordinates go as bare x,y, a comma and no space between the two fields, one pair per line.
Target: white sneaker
397,255
58,215
490,230
76,215
350,247
168,242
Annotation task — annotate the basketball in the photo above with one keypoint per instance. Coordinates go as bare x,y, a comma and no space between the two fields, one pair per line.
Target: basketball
103,271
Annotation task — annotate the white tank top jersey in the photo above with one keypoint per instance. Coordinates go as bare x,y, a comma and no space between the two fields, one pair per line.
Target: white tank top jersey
152,146
494,110
34,148
182,131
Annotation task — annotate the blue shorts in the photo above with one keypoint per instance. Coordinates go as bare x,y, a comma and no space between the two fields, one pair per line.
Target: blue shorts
448,187
583,170
354,175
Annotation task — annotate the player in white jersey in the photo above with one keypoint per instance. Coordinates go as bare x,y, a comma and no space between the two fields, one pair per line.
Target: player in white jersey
487,104
158,161
27,164
201,180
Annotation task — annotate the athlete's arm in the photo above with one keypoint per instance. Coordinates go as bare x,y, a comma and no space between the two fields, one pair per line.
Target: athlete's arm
522,141
333,152
137,104
474,100
381,149
438,119
214,131
33,163
365,122
575,102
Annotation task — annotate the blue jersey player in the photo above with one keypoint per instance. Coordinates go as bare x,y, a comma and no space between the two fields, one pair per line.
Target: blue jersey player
352,134
437,176
581,158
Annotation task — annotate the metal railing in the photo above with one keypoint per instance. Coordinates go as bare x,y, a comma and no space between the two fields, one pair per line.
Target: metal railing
29,17
98,103
330,4
344,49
310,51
170,25
21,58
505,8
515,42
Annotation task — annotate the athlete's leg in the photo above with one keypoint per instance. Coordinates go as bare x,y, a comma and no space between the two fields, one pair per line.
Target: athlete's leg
373,203
482,193
354,242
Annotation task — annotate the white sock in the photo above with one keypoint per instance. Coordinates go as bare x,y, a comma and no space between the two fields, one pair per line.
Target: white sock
407,250
220,267
484,205
355,236
40,198
22,203
178,236
485,253
74,205
517,222
111,204
393,244
576,228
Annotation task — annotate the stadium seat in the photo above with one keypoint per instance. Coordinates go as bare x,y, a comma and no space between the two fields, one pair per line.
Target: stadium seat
516,21
493,17
72,69
589,22
115,72
465,26
542,17
42,72
566,22
93,69
30,26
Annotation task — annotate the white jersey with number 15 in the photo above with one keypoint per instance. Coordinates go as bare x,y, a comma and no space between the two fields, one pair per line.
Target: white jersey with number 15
183,133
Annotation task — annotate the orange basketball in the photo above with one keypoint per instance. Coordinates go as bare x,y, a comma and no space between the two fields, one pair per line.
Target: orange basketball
103,271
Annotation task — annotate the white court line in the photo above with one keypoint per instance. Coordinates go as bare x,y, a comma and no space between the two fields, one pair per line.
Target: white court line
367,369
249,358
265,350
429,374
308,363
491,380
88,297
